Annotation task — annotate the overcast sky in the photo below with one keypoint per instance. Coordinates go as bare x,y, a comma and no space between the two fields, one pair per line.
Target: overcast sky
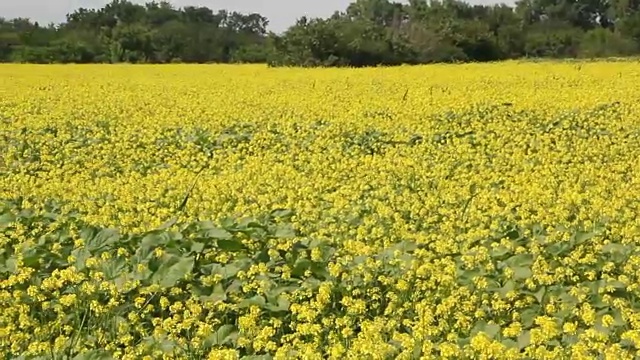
281,13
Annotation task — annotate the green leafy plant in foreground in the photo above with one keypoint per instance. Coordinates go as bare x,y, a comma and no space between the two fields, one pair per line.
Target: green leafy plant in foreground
188,289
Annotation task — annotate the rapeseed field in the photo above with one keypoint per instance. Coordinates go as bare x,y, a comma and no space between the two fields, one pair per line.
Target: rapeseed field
240,212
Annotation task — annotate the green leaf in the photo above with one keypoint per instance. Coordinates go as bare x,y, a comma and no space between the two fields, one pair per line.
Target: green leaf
155,239
417,350
598,303
499,251
520,260
197,247
553,343
528,316
466,276
522,272
617,284
567,298
31,257
234,287
569,339
216,233
539,295
168,224
524,339
581,237
613,248
513,234
218,294
81,256
87,233
594,286
103,238
222,336
319,271
463,342
94,355
6,219
619,253
618,320
26,214
492,330
218,290
173,270
114,268
282,213
282,305
250,223
12,265
230,270
162,343
231,245
257,357
275,293
257,300
478,327
285,231
506,288
599,327
262,256
300,267
226,223
559,248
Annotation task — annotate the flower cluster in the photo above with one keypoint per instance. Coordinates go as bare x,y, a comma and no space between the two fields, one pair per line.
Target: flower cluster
472,211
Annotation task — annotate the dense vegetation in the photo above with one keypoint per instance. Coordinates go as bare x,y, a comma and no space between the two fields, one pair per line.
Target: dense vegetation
368,32
484,211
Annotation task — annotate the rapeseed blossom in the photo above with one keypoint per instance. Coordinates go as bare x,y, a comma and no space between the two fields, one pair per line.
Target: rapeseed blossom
470,211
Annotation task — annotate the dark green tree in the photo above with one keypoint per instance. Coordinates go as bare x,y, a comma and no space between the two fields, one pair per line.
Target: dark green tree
365,33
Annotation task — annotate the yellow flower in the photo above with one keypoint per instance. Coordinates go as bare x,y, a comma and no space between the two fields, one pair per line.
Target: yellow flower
68,300
488,193
569,328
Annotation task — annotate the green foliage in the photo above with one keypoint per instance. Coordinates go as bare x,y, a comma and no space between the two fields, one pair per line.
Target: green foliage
373,32
367,33
606,43
174,261
122,31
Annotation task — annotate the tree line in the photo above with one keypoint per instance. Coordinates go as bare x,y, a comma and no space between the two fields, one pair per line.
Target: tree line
366,33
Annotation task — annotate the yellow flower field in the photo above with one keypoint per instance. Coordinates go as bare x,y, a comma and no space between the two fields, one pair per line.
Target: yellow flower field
481,211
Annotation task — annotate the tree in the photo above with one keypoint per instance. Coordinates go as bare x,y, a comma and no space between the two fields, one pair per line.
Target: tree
601,42
365,33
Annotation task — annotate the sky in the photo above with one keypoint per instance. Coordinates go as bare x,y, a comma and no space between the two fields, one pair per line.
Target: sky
281,13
